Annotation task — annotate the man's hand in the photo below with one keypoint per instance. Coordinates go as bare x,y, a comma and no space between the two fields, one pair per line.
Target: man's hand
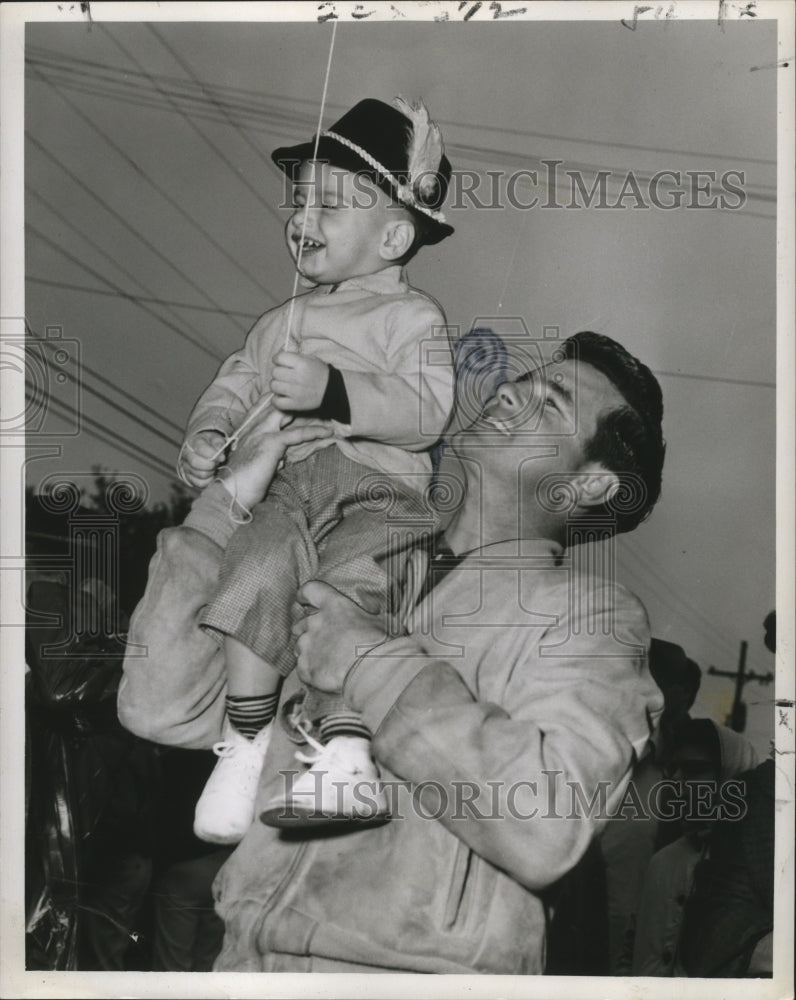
334,633
259,452
298,382
197,464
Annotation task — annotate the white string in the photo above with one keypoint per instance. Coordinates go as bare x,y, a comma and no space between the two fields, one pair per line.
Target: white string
510,268
296,276
233,502
265,400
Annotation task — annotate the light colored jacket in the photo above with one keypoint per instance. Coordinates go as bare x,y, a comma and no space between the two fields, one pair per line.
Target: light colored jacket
389,342
510,689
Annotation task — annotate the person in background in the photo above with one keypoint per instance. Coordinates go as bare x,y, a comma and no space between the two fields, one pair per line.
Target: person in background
706,756
629,840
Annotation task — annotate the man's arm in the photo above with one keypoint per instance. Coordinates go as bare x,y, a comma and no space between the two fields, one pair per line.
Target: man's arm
174,680
566,722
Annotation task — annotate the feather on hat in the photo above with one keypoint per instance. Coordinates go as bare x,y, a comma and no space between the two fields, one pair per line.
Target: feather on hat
425,151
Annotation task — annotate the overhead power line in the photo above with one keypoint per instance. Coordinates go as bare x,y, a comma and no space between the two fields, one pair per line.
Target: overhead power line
288,124
105,255
208,93
141,305
175,444
254,112
163,194
81,381
132,297
681,612
254,103
670,595
232,167
101,432
122,221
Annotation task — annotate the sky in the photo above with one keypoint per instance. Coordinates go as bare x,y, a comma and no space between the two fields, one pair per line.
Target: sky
154,239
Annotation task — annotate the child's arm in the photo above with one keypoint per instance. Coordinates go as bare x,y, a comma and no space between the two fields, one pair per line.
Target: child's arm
222,407
405,405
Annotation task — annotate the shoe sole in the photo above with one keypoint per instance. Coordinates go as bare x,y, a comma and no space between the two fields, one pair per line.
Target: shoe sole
294,817
224,840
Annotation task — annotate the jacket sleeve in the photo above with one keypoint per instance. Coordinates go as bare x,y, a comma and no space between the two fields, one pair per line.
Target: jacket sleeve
173,681
575,719
406,406
239,382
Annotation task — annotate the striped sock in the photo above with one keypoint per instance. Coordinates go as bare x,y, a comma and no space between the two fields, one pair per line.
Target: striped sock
342,724
251,714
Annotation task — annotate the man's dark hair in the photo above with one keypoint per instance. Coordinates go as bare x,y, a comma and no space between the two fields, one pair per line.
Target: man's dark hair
628,439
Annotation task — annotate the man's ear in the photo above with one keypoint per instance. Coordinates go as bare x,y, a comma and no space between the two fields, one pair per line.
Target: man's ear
594,485
398,238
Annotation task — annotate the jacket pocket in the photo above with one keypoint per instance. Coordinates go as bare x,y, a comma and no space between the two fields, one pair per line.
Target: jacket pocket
456,902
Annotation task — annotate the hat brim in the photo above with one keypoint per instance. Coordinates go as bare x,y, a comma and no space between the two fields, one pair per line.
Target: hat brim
290,158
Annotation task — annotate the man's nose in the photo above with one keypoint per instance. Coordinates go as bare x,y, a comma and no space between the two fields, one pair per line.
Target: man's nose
508,398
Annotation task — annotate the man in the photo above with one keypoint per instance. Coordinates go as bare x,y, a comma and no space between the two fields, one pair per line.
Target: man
518,695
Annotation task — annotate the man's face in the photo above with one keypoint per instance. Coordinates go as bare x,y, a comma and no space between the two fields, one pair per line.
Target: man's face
550,413
346,216
537,426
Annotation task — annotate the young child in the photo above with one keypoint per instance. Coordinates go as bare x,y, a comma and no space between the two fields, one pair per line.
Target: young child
366,199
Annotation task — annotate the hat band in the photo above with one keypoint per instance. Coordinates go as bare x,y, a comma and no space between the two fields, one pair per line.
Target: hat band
402,191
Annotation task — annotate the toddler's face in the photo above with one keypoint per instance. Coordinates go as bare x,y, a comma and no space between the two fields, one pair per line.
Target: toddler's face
347,218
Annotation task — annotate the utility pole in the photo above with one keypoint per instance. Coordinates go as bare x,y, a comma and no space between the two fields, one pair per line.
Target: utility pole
737,718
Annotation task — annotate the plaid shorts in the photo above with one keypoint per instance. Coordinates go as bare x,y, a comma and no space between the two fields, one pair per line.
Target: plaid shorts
324,518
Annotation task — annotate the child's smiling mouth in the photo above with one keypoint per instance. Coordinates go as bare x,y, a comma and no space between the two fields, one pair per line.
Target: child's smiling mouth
307,245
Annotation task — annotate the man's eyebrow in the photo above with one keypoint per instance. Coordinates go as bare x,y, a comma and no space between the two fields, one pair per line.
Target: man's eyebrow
552,385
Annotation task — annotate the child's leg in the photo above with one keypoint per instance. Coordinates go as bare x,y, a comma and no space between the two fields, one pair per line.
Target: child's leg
360,558
225,809
252,615
252,688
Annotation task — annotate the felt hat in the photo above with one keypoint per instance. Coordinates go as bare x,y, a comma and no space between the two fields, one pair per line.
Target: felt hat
396,145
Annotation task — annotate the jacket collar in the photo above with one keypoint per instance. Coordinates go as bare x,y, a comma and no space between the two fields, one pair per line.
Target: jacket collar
519,548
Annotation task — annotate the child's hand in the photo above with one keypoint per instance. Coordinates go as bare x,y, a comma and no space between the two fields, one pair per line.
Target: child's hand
298,382
196,465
